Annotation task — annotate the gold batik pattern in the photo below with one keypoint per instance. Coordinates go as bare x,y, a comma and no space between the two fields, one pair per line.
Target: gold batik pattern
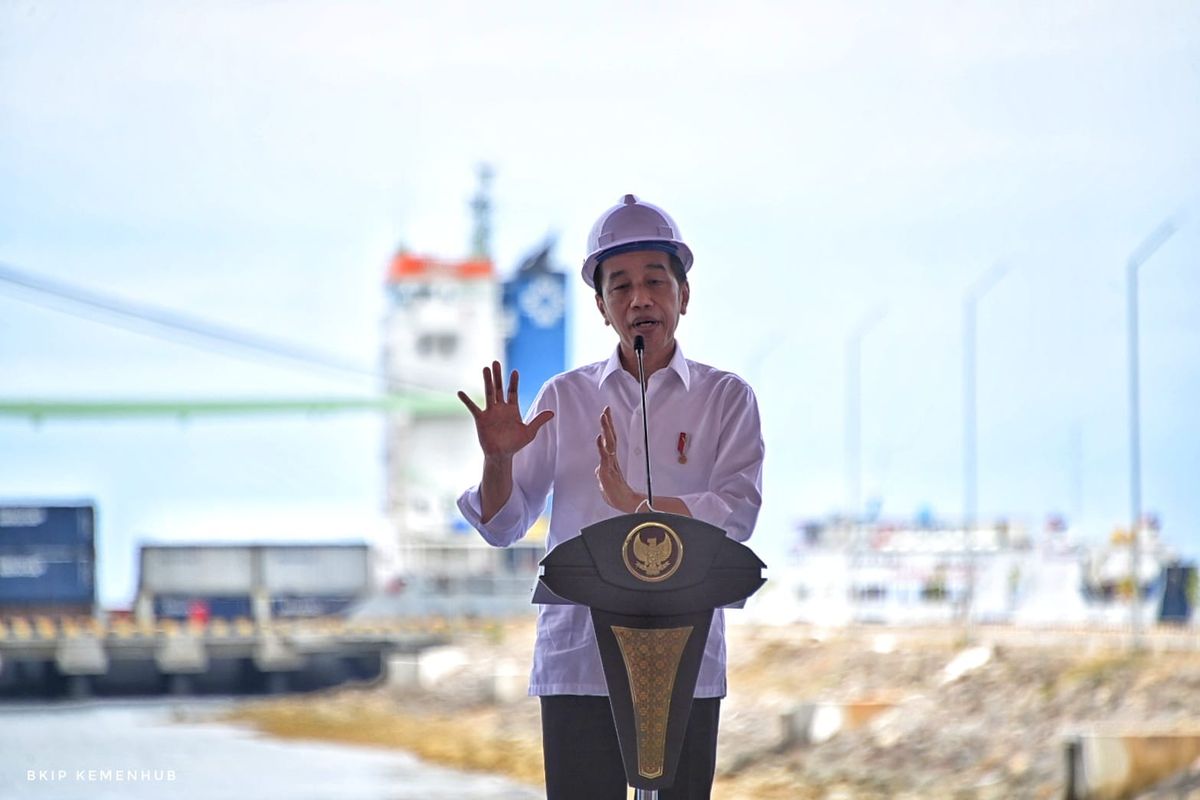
651,661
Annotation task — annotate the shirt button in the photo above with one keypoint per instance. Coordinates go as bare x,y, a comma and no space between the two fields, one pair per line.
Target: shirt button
637,450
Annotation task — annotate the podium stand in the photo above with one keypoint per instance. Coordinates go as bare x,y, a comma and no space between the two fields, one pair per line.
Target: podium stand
652,582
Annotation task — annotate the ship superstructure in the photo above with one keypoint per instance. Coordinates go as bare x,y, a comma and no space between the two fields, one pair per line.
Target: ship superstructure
446,320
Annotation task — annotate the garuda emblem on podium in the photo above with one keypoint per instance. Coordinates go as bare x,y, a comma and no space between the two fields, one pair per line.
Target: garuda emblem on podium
652,552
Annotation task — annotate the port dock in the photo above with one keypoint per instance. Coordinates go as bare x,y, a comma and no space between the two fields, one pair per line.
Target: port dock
42,656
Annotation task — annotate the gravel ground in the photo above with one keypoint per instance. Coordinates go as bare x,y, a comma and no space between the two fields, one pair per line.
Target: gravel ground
986,721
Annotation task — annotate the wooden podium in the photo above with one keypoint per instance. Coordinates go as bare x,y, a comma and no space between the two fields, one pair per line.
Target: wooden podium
652,582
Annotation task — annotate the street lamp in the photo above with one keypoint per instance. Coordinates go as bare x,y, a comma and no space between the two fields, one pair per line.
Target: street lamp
1139,256
970,458
854,410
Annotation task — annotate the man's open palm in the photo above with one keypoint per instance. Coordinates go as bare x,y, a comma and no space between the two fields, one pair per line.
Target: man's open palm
498,424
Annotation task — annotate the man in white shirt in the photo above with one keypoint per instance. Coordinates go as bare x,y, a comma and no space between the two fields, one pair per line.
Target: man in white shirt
706,452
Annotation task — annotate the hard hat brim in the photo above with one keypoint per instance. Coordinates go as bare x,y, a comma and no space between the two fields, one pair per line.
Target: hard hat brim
682,251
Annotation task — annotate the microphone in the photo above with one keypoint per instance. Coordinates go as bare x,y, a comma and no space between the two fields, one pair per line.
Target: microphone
639,347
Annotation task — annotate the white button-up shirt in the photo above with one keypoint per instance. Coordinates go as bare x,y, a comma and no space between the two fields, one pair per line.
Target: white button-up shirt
710,414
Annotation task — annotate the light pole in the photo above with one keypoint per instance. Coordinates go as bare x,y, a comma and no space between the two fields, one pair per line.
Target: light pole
1139,256
854,410
970,458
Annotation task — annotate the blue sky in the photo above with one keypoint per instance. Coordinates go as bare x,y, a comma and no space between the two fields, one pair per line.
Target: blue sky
255,164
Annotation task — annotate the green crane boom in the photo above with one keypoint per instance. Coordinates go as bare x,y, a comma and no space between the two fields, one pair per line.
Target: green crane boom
40,409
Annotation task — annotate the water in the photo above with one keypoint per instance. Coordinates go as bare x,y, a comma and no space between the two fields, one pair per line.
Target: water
136,750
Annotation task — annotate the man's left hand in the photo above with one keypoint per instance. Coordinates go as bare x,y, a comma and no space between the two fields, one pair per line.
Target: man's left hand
613,487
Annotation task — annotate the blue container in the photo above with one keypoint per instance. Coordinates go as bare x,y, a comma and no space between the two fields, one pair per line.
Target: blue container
40,525
47,558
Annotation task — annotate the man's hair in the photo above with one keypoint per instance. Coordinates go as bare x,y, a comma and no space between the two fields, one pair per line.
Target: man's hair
676,268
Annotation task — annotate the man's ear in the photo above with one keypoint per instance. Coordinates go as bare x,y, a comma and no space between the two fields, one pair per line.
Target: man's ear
685,292
600,307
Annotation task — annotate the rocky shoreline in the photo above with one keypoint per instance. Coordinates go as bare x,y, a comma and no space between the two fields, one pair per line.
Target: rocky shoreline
853,713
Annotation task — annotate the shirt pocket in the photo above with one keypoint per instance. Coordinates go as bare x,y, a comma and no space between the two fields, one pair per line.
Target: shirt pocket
683,467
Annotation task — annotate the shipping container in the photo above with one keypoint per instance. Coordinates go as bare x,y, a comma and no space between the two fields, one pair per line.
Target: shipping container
47,558
315,570
226,580
197,570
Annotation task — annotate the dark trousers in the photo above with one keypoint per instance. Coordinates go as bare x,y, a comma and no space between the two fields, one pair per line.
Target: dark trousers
583,758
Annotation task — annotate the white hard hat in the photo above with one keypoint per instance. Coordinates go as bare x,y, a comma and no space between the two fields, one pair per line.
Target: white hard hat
632,222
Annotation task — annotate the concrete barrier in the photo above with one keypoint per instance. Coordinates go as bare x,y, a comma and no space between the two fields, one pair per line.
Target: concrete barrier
83,655
272,655
181,654
1119,765
438,664
403,672
813,723
510,681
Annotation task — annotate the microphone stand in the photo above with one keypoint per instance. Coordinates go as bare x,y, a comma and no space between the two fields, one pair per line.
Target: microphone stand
639,347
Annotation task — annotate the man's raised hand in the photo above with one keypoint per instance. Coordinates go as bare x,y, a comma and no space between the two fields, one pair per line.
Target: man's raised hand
498,424
613,487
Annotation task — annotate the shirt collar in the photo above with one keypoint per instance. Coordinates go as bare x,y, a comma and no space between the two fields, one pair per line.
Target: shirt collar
678,364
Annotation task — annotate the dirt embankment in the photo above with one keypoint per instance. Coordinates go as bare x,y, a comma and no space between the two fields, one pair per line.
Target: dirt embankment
942,721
